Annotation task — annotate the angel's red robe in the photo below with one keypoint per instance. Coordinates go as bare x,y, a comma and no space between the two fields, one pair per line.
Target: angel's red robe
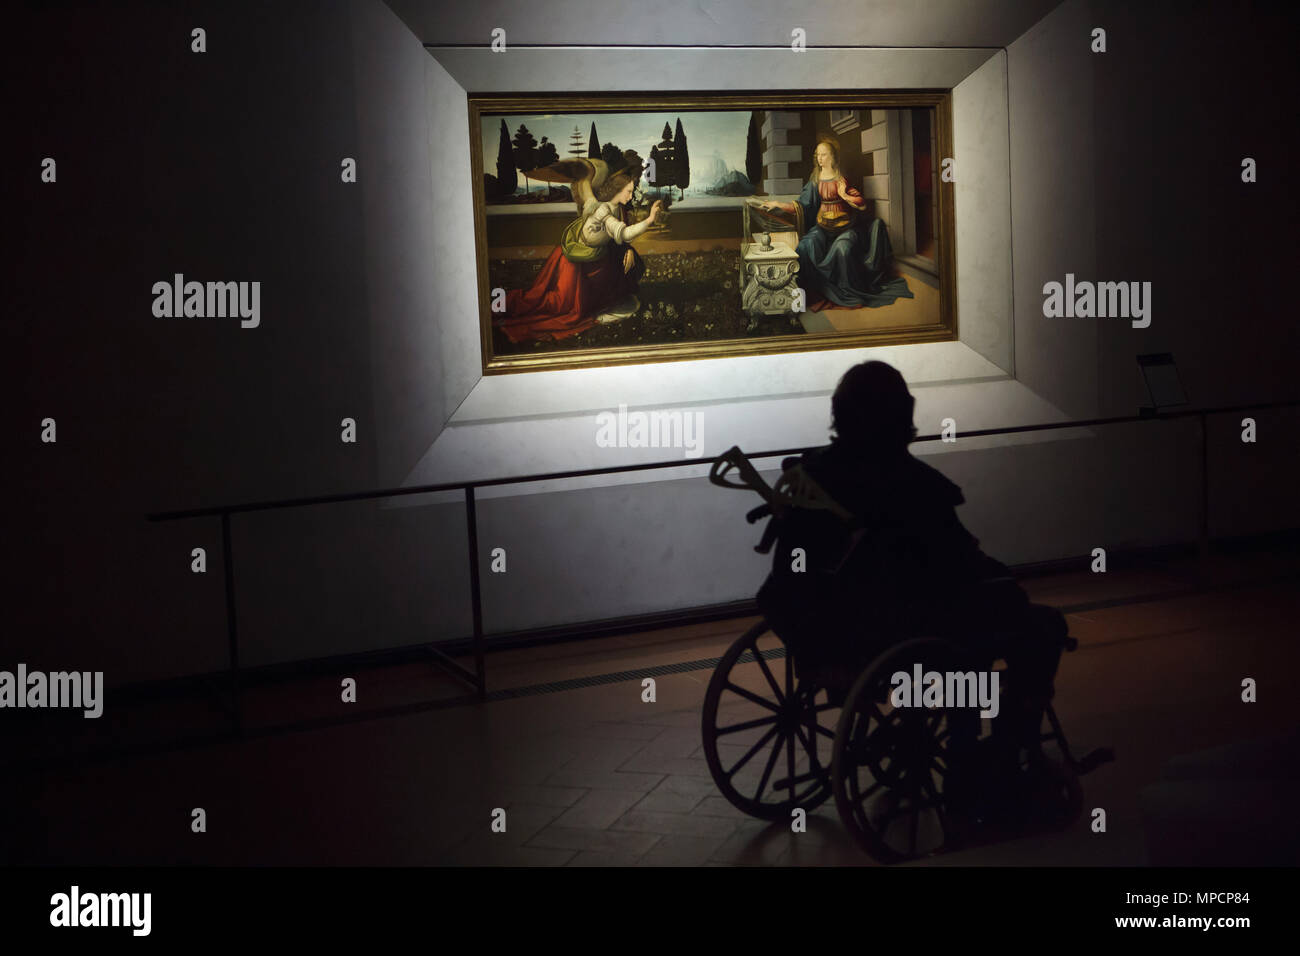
567,295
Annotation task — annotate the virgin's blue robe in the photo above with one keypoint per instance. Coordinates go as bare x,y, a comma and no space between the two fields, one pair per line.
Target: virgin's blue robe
847,268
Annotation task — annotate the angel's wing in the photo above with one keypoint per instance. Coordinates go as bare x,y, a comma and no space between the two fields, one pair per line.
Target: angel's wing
585,175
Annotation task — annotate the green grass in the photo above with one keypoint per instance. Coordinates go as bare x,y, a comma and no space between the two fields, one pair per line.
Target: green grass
685,297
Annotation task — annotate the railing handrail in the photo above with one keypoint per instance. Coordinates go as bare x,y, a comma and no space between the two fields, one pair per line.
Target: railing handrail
477,679
215,510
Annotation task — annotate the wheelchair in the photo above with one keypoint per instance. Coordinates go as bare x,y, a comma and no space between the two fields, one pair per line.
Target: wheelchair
807,725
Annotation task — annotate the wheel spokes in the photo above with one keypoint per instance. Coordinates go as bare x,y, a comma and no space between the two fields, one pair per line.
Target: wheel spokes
747,725
751,696
767,771
884,723
789,783
789,762
767,672
809,746
862,796
750,753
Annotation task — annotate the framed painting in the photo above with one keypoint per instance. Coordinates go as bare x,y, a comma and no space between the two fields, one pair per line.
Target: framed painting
616,229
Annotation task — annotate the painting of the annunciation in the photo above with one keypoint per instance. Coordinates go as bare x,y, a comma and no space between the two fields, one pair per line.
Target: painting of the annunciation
621,229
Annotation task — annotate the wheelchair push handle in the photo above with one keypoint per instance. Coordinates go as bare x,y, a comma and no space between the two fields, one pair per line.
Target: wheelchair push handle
726,463
733,461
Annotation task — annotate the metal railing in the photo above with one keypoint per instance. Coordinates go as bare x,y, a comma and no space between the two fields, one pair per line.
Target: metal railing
477,679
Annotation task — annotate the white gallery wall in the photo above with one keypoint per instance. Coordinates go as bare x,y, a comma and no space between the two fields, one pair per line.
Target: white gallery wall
1064,164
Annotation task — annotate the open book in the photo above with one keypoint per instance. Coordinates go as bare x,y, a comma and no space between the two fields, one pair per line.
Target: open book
781,225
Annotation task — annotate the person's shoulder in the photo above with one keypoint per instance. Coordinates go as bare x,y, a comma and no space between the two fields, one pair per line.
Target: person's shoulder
837,469
931,481
820,458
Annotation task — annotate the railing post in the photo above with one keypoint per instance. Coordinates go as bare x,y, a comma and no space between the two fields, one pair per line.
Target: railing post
232,623
1204,543
475,597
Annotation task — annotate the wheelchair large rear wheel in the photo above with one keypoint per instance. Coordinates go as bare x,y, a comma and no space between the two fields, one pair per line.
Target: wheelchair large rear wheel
767,735
890,764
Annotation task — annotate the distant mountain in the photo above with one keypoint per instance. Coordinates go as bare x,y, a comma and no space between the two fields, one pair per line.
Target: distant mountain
733,183
711,170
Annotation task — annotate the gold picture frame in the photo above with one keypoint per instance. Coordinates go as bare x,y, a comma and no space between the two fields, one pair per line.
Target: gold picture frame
943,245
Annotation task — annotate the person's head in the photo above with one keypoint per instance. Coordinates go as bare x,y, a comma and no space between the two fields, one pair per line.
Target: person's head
617,189
872,408
826,157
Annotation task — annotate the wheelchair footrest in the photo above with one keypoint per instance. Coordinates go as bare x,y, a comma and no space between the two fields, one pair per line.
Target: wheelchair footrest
1093,760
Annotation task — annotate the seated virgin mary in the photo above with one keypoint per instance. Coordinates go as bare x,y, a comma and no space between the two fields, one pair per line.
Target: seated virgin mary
844,254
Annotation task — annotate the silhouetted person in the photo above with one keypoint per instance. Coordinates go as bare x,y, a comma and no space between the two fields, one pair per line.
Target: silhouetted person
913,570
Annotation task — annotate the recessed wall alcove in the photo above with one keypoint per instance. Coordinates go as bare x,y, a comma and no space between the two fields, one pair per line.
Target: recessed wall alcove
587,549
546,420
